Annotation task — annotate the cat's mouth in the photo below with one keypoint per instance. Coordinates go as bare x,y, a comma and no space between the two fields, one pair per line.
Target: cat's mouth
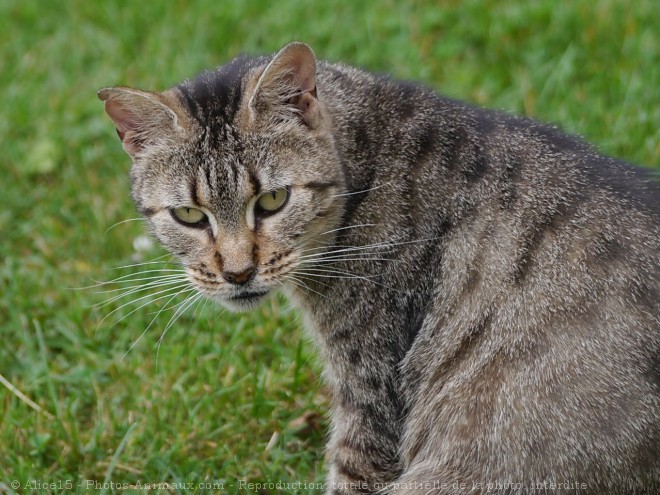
248,295
244,300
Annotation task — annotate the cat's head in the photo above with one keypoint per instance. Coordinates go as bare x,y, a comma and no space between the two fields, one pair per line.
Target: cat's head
236,171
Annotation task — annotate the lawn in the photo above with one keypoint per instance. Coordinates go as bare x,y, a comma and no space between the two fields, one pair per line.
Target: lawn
86,403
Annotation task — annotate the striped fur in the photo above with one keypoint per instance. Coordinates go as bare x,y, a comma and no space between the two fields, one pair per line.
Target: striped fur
484,289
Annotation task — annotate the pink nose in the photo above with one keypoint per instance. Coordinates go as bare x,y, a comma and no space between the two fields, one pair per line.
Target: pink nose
239,278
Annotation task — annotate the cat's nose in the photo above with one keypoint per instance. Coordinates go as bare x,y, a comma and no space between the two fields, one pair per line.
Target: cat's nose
239,278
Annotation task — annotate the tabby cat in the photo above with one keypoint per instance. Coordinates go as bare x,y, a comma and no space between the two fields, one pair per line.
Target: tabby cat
484,289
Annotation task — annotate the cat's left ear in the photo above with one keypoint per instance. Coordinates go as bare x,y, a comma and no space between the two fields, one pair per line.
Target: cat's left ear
287,86
141,118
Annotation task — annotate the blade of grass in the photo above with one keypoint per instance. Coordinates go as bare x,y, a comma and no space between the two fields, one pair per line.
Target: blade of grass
25,398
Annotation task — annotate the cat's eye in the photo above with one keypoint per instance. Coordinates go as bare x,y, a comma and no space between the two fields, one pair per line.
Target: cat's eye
189,216
272,201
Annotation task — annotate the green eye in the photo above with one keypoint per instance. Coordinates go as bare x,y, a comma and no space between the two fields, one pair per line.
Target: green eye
271,202
189,216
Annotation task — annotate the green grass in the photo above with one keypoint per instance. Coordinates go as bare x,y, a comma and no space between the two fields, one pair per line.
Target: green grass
205,405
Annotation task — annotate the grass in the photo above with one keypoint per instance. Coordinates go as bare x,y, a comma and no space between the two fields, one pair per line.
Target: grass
229,397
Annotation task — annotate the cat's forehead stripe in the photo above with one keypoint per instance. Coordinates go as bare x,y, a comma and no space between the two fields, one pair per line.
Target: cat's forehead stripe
194,194
213,97
254,181
320,186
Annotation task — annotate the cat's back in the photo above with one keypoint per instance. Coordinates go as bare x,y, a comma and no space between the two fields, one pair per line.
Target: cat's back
536,354
542,341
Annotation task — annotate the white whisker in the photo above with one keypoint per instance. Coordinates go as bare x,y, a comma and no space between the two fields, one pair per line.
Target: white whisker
123,221
181,308
165,306
309,270
203,306
349,249
361,192
176,305
190,300
346,276
154,261
138,288
139,274
140,299
296,281
365,247
316,281
125,278
349,227
350,257
154,281
322,245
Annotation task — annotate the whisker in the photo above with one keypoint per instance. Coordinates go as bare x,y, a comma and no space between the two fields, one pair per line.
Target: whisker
154,261
139,274
336,272
297,283
350,276
125,278
361,192
348,257
346,250
181,308
171,297
373,246
123,221
297,275
219,314
295,280
322,245
190,300
199,302
139,299
176,305
349,227
138,288
154,270
155,281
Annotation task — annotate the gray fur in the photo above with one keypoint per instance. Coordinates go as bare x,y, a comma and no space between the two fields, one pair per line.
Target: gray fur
484,289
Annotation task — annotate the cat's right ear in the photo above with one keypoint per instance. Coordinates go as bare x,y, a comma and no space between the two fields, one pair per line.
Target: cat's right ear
141,118
287,87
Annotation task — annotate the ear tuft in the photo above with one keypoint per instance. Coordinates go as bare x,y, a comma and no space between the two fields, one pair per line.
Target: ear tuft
288,86
141,118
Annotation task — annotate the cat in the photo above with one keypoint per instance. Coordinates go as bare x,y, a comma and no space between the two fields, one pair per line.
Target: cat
483,289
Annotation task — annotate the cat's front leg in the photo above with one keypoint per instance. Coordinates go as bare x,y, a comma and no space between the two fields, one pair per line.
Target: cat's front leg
363,447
